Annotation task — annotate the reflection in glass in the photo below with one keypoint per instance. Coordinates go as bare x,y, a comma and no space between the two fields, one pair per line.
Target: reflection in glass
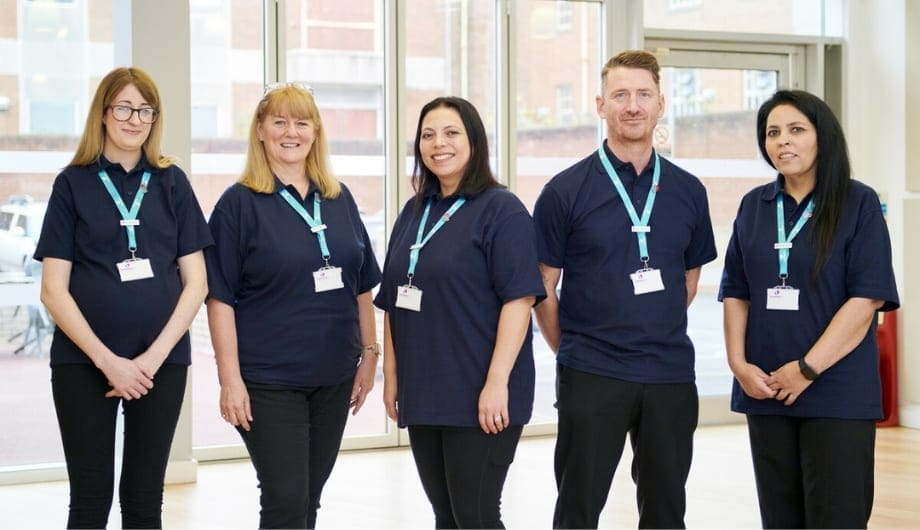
708,129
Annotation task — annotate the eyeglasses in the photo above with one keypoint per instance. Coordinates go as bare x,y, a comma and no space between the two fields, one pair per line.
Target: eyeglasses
124,112
275,86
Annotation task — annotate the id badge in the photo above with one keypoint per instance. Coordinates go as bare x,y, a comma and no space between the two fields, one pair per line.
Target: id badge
134,269
783,299
409,297
328,279
646,281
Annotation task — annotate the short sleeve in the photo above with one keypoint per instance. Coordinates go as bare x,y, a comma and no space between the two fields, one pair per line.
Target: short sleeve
385,295
512,256
551,225
702,247
224,259
194,234
868,255
369,275
59,226
734,280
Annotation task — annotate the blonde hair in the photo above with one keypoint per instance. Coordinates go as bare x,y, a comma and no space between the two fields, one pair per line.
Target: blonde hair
93,140
295,101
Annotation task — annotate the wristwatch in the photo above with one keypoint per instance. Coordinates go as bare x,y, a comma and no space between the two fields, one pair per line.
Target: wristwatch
807,370
372,348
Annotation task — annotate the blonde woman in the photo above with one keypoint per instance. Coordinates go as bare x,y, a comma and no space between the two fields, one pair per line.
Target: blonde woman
123,276
290,307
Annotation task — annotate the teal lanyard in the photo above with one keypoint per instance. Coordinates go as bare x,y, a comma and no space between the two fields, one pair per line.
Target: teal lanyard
315,222
128,217
785,243
639,226
421,240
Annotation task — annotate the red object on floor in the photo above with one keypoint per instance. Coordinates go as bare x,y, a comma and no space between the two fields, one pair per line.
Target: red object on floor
887,336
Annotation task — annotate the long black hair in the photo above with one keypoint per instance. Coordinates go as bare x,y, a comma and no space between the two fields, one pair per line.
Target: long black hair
477,176
832,166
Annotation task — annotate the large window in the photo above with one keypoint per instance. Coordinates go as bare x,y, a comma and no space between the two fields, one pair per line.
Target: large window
531,68
710,131
52,55
227,77
335,48
557,122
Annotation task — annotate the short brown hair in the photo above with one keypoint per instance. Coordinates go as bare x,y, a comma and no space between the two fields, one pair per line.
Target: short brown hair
633,59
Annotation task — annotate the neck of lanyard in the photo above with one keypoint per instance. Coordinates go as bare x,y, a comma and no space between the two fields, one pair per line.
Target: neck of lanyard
128,217
315,222
421,240
784,243
639,225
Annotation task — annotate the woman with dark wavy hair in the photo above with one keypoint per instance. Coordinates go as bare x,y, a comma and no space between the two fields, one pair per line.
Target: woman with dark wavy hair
460,278
807,268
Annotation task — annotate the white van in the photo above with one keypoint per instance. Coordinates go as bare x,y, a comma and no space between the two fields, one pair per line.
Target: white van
20,225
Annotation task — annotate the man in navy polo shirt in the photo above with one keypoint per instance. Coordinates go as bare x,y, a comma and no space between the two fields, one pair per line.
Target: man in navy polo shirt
631,231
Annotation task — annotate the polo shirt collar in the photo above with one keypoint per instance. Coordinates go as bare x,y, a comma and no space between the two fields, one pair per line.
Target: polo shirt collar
280,186
433,191
108,165
626,168
770,192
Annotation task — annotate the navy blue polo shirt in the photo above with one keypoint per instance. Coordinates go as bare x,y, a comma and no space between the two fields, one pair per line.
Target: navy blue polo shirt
262,265
584,229
859,266
482,258
82,226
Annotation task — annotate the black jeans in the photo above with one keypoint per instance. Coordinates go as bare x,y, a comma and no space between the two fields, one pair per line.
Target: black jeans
463,471
87,422
293,443
595,415
813,472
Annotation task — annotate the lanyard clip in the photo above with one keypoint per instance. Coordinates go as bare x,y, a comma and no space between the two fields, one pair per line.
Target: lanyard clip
644,263
410,276
782,278
132,251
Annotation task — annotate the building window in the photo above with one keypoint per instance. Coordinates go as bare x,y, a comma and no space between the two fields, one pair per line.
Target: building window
686,96
52,118
565,104
759,85
563,15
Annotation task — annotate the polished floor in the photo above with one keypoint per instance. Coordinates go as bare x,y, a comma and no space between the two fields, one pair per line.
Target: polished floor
379,489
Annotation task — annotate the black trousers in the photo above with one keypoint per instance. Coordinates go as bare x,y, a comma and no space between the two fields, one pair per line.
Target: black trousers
813,472
293,443
87,422
595,415
463,471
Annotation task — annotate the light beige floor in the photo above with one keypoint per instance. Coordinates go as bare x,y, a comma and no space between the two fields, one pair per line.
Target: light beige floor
379,489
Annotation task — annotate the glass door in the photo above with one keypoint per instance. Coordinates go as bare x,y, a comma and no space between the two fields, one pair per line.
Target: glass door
712,98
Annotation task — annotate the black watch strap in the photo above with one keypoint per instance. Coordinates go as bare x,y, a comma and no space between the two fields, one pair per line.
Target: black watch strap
807,370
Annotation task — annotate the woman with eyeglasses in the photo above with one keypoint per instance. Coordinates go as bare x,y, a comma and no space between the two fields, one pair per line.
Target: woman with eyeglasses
123,277
290,309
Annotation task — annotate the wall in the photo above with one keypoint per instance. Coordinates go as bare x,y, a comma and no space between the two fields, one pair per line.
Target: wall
877,124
